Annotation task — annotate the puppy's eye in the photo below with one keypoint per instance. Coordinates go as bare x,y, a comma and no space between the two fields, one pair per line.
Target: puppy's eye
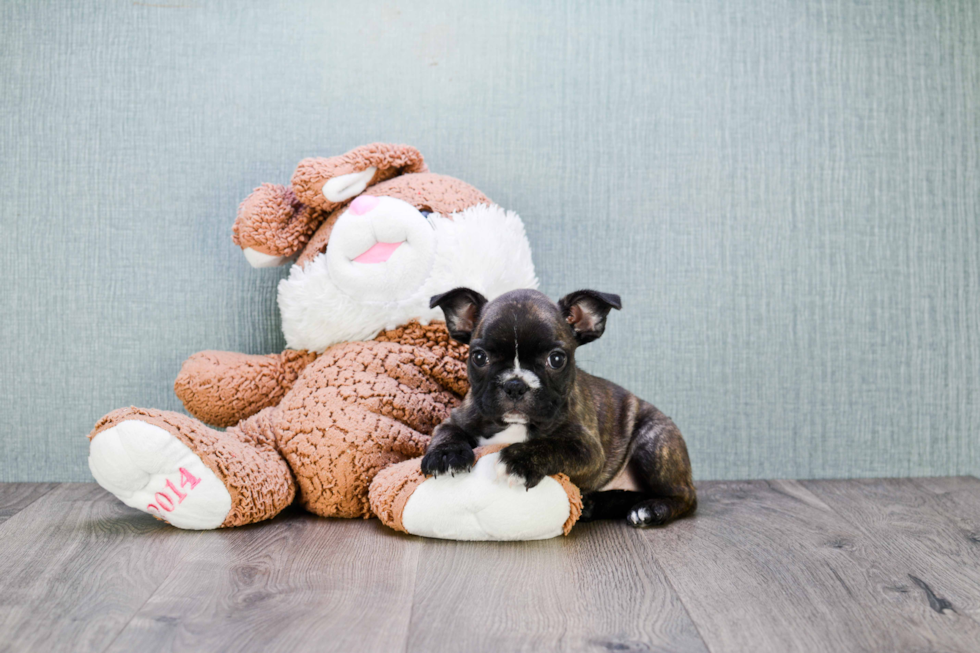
479,358
556,360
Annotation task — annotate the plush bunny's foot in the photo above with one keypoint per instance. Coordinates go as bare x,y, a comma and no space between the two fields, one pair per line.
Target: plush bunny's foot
150,469
474,505
186,473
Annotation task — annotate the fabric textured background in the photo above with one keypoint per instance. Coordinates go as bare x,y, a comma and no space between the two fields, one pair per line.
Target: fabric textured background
786,193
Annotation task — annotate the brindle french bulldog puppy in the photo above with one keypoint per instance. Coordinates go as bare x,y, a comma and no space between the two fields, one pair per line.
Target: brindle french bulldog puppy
627,457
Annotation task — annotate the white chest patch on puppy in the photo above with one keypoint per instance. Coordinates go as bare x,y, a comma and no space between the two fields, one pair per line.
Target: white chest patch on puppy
514,433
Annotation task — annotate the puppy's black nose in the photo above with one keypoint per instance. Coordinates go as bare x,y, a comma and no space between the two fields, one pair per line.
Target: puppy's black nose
515,388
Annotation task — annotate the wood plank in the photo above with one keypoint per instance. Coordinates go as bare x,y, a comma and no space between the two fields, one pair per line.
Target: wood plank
299,583
959,498
924,535
879,564
589,591
76,564
14,497
769,566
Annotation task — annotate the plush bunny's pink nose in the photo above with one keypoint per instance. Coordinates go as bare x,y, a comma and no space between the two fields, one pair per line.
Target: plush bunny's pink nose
364,203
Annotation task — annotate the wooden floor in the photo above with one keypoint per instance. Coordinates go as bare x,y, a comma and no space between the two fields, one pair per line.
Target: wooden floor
870,565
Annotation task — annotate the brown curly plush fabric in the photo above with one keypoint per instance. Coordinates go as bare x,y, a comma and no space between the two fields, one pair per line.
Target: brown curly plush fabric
363,406
432,192
244,458
574,501
391,489
390,160
222,388
351,412
273,221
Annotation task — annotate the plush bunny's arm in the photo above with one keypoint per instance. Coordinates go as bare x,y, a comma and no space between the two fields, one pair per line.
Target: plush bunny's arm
222,388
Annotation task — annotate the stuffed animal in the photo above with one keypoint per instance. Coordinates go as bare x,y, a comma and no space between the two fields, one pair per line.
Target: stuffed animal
476,505
367,375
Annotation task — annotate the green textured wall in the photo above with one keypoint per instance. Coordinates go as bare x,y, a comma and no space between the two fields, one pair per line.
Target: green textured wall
786,194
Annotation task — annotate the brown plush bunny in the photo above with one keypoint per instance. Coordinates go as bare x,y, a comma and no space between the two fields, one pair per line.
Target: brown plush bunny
368,373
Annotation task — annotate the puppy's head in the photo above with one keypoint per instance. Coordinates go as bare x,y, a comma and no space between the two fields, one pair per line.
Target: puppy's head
522,347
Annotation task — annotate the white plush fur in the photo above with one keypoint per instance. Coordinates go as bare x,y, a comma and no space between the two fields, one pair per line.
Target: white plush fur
483,248
391,221
479,506
259,260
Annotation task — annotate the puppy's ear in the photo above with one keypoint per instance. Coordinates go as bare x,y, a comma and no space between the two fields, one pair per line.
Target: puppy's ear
462,308
586,311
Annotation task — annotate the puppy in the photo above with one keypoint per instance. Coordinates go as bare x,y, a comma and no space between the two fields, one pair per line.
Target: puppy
627,457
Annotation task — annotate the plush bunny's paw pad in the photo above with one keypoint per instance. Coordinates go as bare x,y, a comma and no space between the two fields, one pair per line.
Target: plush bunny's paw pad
148,468
477,505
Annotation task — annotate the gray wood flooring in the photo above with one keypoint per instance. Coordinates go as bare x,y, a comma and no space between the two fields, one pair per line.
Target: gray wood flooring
864,565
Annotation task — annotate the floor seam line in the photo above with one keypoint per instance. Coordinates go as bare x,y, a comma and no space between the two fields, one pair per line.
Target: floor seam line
415,581
152,594
54,485
670,584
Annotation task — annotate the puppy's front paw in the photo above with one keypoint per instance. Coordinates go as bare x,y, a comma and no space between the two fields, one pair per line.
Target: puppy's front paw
448,459
518,461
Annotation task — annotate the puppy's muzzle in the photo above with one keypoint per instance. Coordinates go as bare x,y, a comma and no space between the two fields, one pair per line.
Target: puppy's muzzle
515,389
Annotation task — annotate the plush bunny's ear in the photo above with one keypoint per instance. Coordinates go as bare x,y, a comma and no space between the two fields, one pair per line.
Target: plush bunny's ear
324,184
272,225
462,308
275,222
586,311
344,187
